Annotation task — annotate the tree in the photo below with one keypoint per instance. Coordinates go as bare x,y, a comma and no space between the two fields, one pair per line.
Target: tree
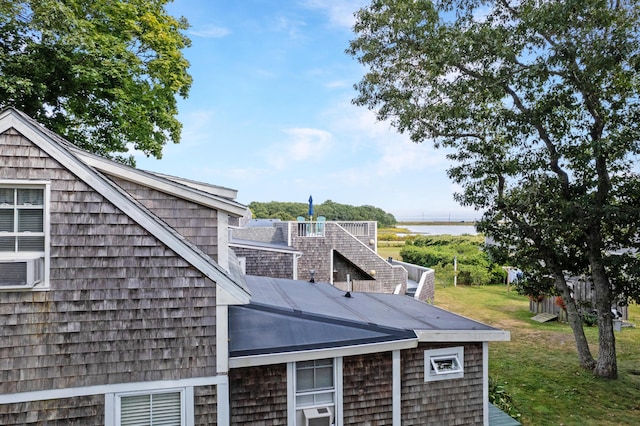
101,73
537,103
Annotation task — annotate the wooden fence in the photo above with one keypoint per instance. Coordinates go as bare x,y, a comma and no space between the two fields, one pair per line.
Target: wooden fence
582,294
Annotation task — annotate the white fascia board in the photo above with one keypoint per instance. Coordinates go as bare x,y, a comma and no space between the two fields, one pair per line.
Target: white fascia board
260,248
44,395
148,221
284,357
450,336
220,191
169,186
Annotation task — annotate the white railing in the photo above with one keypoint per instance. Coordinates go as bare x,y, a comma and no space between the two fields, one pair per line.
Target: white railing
357,229
310,229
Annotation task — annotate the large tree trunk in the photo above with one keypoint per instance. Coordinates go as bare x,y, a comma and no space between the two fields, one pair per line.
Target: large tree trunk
575,322
607,365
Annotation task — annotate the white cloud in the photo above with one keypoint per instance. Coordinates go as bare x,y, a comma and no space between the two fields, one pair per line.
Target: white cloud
291,27
305,144
211,31
337,84
340,12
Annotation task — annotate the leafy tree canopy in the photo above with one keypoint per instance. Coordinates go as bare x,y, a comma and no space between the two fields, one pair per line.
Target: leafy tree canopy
328,209
538,102
101,73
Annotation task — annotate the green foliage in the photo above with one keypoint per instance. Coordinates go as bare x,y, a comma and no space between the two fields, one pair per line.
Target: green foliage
438,252
101,73
538,103
330,210
499,397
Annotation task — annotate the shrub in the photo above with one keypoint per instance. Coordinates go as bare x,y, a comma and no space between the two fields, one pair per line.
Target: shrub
499,397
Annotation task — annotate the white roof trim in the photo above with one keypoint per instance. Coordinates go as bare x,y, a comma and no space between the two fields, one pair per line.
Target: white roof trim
284,357
446,336
288,250
12,119
170,186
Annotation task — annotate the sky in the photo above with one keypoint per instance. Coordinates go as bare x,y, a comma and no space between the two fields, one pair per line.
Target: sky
269,114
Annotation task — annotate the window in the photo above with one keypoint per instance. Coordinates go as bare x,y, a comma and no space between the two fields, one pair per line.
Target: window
443,364
163,408
23,235
315,388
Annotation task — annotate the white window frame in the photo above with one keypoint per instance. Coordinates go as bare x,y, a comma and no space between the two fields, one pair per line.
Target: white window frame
42,257
186,398
292,394
434,359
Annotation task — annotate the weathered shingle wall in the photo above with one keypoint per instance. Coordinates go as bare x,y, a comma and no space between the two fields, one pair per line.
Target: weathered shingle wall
259,395
80,411
368,389
318,252
266,263
446,402
205,406
122,307
199,224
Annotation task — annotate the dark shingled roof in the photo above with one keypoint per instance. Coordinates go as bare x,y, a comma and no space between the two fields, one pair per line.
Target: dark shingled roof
288,315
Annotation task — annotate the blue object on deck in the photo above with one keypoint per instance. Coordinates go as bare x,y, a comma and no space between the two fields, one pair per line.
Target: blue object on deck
310,205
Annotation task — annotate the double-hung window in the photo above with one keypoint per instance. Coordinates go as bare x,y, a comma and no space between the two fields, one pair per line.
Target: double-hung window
24,235
315,392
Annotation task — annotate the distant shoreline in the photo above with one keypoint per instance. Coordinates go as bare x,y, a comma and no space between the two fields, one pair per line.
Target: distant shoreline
438,223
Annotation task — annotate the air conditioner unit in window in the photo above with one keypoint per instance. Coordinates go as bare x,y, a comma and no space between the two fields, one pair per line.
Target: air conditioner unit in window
18,273
320,416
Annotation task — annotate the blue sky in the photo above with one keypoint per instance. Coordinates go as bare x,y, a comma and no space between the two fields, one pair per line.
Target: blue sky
270,115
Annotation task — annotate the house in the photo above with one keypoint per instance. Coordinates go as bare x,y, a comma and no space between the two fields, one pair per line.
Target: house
343,253
120,301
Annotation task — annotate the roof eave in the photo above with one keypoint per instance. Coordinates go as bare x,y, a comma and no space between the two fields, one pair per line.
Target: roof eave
171,186
307,355
446,336
29,128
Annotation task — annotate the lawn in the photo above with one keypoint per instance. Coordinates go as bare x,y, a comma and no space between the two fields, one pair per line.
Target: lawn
539,366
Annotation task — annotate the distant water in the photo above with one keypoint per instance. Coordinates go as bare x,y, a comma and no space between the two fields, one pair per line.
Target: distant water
442,229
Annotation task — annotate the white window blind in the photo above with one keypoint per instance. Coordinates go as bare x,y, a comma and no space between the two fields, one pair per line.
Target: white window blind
155,409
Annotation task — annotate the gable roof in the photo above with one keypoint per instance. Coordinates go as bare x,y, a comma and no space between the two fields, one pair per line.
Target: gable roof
286,316
70,158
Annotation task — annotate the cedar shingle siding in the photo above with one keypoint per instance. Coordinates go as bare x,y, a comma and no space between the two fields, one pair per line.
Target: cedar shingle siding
259,395
367,389
121,307
267,263
446,402
205,403
198,224
81,411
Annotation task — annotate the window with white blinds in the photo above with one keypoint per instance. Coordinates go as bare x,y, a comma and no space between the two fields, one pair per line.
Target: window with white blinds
23,235
152,409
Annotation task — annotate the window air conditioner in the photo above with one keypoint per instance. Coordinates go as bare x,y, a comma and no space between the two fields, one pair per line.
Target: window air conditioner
320,416
17,273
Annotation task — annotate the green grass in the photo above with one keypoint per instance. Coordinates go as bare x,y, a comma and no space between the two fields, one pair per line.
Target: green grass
539,366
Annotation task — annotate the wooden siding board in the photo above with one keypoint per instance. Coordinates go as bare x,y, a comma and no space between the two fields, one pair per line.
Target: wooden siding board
122,306
79,411
199,224
453,402
258,395
205,406
368,389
